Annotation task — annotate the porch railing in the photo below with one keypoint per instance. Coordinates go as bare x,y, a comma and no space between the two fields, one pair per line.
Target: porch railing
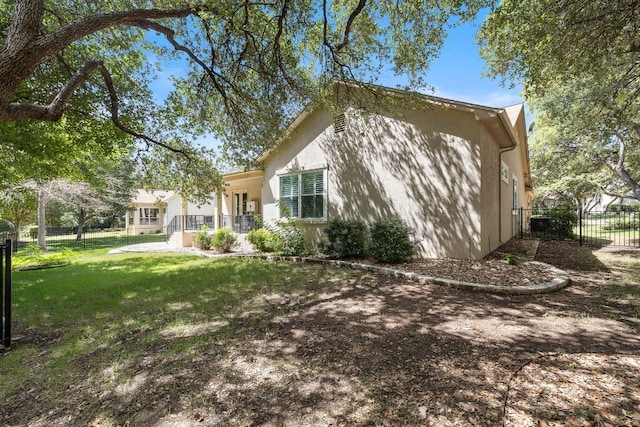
188,222
241,224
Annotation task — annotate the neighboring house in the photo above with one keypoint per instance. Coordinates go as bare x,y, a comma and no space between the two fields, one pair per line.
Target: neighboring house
161,211
147,212
455,172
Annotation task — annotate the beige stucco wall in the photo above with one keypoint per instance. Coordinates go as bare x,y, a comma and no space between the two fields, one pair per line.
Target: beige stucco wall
423,167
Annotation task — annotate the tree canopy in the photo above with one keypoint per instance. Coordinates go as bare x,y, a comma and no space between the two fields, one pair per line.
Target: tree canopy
579,63
252,66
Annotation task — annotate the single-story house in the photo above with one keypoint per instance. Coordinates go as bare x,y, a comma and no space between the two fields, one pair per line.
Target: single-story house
147,212
162,211
455,172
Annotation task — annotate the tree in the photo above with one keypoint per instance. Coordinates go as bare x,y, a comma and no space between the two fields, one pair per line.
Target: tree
579,63
253,64
18,205
580,152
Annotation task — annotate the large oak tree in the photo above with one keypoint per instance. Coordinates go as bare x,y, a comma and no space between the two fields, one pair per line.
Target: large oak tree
252,65
579,63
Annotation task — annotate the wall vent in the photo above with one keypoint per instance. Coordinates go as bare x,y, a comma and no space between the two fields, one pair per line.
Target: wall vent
339,123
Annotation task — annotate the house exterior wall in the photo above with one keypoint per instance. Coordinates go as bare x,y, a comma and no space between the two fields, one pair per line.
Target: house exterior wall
491,192
423,166
134,225
174,208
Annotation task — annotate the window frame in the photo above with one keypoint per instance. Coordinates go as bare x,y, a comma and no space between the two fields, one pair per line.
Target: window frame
299,195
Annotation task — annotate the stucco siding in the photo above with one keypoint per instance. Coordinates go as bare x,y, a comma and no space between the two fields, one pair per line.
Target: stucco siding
423,166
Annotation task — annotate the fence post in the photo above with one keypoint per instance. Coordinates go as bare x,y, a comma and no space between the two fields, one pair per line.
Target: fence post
521,221
7,293
580,224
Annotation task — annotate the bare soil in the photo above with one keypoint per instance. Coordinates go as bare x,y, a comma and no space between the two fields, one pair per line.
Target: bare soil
382,351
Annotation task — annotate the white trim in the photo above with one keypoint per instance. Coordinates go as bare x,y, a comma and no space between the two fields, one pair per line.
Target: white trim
290,170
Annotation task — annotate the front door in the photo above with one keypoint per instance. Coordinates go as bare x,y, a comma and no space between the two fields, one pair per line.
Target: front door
240,203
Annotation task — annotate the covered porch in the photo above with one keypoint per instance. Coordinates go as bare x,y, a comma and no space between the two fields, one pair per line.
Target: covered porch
240,202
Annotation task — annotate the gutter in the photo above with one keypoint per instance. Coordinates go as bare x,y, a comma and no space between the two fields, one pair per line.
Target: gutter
512,137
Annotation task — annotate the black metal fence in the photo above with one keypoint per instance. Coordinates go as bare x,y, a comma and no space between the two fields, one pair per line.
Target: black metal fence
5,292
188,222
619,228
89,239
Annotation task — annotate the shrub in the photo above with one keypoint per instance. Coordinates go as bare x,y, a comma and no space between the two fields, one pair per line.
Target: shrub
264,240
621,225
224,239
347,239
33,232
6,225
204,239
290,238
562,222
391,241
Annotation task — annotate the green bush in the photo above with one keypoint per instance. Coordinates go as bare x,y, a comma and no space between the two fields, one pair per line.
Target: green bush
33,232
264,240
291,239
224,239
391,241
347,239
620,225
204,239
6,226
562,222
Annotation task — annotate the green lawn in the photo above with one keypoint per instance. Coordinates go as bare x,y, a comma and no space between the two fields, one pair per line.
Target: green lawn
104,313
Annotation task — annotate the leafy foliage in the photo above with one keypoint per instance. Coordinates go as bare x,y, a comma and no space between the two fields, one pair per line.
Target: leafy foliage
264,240
580,67
346,239
224,239
87,68
204,240
291,240
391,241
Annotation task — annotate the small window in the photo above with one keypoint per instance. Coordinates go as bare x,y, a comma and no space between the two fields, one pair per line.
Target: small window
504,172
303,195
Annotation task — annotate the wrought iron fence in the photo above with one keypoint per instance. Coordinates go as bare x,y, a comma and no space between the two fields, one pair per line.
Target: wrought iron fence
5,292
617,228
87,239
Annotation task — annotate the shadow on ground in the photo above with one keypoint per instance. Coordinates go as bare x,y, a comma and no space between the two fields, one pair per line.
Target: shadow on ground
372,350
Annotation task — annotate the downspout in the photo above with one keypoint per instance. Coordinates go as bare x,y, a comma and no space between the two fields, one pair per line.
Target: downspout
500,153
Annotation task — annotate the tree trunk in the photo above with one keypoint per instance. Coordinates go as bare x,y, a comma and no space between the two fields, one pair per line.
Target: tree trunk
42,231
82,216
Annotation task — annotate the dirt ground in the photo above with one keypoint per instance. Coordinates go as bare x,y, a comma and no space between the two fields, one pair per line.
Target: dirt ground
391,352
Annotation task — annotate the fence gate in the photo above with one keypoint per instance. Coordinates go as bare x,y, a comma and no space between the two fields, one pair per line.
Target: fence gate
5,292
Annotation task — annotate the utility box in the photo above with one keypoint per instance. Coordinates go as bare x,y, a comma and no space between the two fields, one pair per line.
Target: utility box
539,223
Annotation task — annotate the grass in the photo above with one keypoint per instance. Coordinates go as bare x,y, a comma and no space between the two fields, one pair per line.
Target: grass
108,313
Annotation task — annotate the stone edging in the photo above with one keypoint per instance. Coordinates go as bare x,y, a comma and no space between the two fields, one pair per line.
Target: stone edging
560,281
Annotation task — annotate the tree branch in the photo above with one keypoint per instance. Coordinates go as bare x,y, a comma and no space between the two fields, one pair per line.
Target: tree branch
347,28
